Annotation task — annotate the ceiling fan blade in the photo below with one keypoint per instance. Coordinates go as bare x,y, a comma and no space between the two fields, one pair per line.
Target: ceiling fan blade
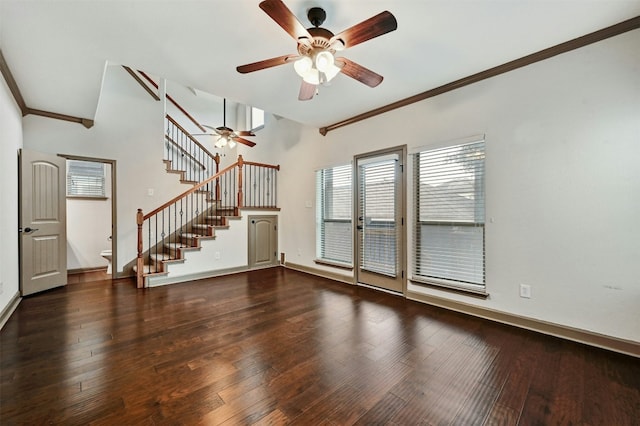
244,133
212,128
307,90
280,13
244,141
267,63
360,73
375,26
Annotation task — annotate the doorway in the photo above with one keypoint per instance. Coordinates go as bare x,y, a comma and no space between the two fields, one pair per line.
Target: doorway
380,211
91,218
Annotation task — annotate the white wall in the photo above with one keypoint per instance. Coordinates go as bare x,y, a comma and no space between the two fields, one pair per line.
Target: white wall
89,228
562,184
10,143
129,128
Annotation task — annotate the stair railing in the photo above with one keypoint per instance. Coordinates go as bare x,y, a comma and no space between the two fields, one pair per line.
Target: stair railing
186,154
175,225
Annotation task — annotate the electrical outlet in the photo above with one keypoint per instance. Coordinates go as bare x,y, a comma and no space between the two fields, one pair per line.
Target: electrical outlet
525,291
217,255
1,287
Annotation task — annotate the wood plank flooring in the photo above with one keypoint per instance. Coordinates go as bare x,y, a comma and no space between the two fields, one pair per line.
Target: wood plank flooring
276,346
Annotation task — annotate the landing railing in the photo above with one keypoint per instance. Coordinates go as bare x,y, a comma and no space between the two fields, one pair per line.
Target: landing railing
186,154
176,225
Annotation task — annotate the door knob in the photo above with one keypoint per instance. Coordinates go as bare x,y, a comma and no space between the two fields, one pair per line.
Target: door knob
28,230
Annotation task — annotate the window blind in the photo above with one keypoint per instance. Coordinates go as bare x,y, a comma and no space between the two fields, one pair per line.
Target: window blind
449,227
333,217
85,179
378,238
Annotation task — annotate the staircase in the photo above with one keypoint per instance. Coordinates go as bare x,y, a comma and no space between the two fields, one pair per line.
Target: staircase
179,229
182,225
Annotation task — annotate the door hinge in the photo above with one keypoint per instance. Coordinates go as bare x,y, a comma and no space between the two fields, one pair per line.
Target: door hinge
402,274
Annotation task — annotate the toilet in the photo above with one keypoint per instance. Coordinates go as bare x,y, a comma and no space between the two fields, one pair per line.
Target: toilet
107,255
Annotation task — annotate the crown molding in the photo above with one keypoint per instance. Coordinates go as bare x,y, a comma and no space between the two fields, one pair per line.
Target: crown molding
24,109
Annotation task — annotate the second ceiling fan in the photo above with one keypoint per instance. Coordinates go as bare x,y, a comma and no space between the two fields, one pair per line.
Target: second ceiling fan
227,136
316,62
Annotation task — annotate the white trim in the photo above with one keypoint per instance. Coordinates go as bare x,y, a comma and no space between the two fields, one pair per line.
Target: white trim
10,309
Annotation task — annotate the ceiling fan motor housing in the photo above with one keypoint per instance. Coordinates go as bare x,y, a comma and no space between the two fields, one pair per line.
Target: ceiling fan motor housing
316,16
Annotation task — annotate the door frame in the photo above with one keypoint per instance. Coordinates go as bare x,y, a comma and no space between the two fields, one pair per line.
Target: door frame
114,210
402,244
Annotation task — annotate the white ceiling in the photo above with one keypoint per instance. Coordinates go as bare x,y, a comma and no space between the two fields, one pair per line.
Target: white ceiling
57,50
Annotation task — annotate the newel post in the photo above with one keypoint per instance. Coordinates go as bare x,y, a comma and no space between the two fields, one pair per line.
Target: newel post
139,260
240,195
217,160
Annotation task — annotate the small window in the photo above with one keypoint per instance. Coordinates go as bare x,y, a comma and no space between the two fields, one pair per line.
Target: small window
334,235
85,179
257,118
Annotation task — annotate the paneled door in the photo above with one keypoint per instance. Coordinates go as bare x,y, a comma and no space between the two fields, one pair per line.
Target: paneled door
380,234
263,241
43,240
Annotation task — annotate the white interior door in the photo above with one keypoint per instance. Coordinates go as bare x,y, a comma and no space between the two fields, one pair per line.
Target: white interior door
380,223
43,242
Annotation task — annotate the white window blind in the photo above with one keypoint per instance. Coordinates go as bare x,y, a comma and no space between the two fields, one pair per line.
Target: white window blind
85,179
449,228
334,235
378,251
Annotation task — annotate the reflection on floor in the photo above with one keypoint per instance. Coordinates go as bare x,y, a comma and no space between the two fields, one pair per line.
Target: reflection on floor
88,276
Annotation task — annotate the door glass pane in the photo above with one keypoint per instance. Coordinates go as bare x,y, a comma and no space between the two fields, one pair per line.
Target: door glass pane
378,235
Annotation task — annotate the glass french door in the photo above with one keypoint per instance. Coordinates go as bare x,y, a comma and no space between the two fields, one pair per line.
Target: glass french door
380,189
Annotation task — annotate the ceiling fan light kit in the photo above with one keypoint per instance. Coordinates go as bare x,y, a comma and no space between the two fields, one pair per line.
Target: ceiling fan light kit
316,62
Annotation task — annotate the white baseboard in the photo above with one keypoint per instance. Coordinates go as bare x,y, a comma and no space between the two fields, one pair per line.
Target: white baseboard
166,280
319,272
627,347
9,309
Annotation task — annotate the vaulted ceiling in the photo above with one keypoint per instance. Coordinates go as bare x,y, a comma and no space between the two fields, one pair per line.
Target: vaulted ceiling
57,50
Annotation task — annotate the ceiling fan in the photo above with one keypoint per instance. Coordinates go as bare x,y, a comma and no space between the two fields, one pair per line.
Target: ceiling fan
227,136
316,62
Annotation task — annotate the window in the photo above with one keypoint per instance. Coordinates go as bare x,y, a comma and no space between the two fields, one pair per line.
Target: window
449,213
334,235
256,118
85,179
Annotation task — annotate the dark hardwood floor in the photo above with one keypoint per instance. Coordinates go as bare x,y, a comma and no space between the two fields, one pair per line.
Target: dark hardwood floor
280,347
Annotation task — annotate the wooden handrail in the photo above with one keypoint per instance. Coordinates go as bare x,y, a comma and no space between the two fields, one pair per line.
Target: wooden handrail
194,140
268,166
185,152
173,101
190,191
